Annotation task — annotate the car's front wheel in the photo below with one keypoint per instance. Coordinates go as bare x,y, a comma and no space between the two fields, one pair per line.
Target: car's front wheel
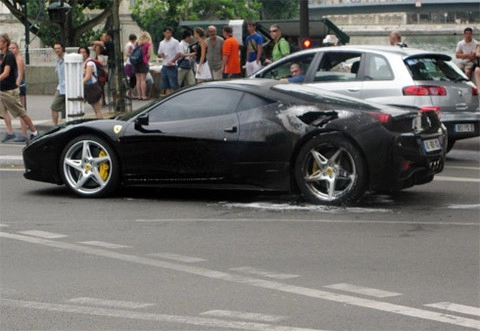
89,166
330,170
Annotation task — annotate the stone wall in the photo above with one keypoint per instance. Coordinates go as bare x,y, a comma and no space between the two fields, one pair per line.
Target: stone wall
41,80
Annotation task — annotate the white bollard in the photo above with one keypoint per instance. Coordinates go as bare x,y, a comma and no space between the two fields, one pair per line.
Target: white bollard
74,85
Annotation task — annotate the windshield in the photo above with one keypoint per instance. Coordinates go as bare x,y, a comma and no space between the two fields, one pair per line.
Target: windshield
433,68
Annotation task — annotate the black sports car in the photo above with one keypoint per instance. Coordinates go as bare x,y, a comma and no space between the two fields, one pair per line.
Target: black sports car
249,134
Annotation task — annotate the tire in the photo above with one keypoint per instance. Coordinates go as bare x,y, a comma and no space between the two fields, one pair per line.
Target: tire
330,170
89,167
450,144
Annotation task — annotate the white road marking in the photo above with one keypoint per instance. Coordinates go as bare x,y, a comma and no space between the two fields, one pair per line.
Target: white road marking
4,225
336,221
177,257
43,234
102,244
468,310
255,282
456,179
363,290
475,206
264,273
464,168
110,303
189,320
244,315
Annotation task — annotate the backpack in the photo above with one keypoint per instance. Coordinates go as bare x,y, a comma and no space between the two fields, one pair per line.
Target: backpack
102,74
137,55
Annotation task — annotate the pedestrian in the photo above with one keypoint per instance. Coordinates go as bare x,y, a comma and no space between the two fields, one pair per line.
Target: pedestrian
98,49
465,51
23,93
395,38
230,55
108,49
143,68
214,55
9,92
254,42
202,70
132,80
170,50
92,88
185,71
281,46
58,104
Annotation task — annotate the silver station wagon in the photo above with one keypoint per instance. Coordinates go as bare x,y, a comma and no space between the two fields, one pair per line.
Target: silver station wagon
391,75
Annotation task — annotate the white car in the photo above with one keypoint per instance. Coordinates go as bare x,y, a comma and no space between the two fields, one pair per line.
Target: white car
391,75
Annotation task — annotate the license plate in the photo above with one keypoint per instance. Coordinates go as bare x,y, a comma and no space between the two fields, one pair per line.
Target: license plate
467,127
431,145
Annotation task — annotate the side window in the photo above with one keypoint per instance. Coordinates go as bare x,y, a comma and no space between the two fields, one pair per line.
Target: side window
338,66
205,102
250,101
378,69
282,69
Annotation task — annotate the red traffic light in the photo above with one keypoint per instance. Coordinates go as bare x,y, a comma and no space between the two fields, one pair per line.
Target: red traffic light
307,43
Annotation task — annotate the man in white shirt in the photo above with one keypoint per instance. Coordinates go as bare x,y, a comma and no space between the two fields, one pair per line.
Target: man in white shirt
170,50
466,52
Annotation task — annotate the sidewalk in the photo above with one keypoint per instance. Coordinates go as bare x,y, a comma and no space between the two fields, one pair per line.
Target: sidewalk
38,107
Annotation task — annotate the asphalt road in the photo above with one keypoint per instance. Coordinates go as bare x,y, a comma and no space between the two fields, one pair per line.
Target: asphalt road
200,260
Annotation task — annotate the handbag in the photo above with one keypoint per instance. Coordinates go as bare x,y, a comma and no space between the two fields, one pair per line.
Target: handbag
185,64
92,92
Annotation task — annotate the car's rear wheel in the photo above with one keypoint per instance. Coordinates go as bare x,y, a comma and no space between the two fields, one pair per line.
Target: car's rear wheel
89,166
330,170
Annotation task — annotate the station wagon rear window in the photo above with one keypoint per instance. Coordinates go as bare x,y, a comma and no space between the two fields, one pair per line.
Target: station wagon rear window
432,68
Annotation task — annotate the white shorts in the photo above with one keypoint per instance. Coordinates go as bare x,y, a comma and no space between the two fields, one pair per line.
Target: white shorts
252,67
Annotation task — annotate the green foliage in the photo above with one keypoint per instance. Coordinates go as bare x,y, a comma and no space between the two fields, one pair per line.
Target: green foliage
279,9
153,15
77,28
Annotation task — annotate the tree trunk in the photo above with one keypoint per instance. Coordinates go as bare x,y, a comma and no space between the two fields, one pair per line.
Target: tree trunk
119,89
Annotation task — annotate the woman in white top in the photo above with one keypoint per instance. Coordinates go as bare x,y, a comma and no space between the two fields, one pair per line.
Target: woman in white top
90,78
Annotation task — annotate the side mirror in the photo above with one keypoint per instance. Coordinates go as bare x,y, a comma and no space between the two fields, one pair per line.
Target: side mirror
141,121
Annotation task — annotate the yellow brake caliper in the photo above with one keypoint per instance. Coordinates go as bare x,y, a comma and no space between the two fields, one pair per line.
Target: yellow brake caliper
104,168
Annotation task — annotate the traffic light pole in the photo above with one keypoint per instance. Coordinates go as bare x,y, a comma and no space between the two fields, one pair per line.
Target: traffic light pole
304,20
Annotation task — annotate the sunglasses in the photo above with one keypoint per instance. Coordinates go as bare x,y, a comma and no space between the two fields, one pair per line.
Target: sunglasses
273,31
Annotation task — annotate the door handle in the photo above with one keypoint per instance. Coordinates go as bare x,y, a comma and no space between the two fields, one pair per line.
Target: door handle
231,129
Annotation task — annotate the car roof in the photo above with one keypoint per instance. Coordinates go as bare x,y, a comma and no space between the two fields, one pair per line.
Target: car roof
400,51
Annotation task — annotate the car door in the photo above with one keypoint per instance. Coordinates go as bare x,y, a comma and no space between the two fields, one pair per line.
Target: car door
189,137
378,80
337,71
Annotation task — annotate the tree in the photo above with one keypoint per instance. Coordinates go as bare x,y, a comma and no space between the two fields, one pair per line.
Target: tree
78,27
154,15
279,9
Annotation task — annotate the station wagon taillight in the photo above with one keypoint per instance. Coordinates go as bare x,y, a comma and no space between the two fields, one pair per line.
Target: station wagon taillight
474,91
424,90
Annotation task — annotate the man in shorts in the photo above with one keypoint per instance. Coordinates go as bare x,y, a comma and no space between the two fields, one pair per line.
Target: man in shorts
58,104
9,92
466,52
170,50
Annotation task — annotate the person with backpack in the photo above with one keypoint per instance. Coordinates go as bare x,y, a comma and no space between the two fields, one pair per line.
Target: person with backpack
92,89
140,64
281,48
